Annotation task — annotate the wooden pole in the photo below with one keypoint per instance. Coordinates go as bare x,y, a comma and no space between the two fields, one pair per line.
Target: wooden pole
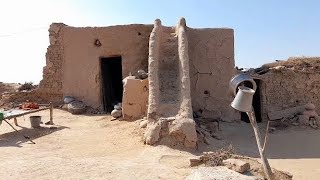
51,113
265,163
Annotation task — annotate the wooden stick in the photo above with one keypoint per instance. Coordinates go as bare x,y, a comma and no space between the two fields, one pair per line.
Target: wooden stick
266,137
265,163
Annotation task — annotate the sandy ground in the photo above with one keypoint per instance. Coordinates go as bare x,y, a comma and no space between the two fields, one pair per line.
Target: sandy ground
86,147
295,150
94,147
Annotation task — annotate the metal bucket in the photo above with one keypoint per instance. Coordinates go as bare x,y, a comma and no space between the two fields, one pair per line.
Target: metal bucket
35,121
239,79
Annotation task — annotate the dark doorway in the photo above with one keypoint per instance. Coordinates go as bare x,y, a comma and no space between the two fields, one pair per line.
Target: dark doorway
256,104
112,88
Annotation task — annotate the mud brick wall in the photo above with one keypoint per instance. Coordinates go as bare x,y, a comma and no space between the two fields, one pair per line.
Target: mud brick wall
51,84
211,53
73,60
288,88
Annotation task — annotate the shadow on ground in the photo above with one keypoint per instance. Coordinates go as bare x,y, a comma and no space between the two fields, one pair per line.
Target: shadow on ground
15,139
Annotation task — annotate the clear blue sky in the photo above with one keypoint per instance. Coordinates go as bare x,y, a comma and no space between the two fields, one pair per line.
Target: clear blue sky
264,30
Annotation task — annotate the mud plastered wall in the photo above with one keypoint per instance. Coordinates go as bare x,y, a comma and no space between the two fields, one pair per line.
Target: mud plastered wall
51,84
288,88
211,53
81,65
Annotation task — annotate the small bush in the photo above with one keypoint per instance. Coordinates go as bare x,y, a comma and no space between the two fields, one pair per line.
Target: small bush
27,86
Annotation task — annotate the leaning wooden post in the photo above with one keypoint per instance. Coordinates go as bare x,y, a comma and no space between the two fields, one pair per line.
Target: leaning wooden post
51,113
265,163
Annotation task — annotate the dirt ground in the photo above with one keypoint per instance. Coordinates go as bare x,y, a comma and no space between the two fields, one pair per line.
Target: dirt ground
94,147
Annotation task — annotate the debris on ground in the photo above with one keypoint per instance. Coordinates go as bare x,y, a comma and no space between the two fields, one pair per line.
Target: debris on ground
207,128
256,169
237,165
240,164
212,158
195,161
297,116
218,173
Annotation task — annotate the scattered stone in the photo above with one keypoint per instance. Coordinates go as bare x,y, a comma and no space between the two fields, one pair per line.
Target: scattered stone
143,124
217,173
195,161
116,113
237,165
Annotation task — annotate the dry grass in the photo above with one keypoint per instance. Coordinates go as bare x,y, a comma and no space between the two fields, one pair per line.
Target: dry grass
297,62
27,86
216,158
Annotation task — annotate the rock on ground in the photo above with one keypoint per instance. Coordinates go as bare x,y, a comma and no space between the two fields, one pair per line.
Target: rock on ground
217,173
143,123
237,165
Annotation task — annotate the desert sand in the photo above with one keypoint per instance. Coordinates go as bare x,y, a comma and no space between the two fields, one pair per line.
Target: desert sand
94,147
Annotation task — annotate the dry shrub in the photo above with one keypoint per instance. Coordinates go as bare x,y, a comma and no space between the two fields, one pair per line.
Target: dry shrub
27,86
216,158
296,62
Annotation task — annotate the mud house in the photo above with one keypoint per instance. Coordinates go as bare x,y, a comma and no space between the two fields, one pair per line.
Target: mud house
85,62
287,84
189,71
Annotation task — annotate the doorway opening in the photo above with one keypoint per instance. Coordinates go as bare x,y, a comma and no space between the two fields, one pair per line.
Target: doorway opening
256,103
111,82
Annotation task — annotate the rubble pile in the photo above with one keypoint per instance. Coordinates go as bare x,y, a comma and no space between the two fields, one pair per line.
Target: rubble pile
207,128
304,115
215,158
237,166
